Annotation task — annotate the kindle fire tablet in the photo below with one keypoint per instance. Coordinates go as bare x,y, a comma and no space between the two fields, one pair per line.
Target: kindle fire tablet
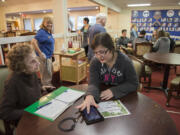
93,116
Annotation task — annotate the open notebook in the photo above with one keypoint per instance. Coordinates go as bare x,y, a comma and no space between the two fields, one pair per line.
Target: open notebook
55,103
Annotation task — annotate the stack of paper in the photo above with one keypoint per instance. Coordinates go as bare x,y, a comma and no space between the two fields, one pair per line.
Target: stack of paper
55,103
53,110
69,96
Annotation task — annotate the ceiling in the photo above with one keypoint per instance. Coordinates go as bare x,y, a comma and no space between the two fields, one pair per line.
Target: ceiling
119,3
15,2
154,3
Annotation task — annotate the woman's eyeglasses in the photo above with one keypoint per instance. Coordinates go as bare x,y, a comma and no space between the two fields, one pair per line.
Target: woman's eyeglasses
101,52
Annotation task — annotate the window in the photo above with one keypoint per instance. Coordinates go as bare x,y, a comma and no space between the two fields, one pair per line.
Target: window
37,23
92,21
72,23
27,24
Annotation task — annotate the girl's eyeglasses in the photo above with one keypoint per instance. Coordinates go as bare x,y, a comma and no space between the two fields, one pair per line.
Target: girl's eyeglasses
101,52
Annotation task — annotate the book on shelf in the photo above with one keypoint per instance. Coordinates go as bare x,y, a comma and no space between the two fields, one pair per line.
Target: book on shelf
55,103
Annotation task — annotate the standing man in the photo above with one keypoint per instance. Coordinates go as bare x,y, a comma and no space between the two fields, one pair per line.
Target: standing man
95,29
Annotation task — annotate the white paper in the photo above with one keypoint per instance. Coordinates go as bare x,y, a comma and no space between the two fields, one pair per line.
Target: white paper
59,104
69,96
53,110
112,109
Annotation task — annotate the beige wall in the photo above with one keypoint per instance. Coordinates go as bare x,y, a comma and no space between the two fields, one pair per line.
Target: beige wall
79,3
46,4
2,20
28,7
116,21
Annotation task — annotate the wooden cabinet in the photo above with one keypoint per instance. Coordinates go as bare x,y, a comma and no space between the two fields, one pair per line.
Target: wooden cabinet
72,66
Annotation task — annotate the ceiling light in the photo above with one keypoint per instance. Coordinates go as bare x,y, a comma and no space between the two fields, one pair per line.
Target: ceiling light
139,5
3,0
179,3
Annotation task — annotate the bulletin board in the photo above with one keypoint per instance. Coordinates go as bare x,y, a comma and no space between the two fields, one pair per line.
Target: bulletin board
148,20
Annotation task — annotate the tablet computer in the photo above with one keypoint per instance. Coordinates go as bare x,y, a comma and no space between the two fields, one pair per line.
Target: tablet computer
93,116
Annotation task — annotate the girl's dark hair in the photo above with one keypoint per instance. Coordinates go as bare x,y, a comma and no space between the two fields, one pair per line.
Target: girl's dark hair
86,19
103,39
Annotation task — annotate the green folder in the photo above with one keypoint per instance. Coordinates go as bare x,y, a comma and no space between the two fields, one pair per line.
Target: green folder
44,100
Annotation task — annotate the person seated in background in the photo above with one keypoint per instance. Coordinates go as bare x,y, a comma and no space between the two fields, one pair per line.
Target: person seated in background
172,42
111,68
154,36
141,38
124,40
22,87
162,45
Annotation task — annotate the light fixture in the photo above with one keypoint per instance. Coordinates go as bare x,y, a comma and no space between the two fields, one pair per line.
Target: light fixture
20,13
44,11
179,3
3,0
139,5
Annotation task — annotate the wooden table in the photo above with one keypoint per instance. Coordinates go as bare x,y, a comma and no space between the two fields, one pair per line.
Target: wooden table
72,66
147,118
167,59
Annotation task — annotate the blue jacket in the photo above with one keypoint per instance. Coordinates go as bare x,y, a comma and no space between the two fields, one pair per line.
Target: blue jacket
45,42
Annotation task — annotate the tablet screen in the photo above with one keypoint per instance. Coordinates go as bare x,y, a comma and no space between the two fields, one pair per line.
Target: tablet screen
93,115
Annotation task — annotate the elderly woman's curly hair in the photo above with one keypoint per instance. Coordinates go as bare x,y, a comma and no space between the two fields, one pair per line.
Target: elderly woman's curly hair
16,57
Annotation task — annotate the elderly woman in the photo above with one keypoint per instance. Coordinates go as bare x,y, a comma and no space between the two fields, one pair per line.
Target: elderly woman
44,46
22,87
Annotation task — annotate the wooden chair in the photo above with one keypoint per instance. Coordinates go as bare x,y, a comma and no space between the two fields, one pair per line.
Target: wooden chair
176,50
174,87
6,127
138,65
142,48
146,71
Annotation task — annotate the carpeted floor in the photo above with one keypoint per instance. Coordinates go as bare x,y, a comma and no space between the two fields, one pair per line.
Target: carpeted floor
160,98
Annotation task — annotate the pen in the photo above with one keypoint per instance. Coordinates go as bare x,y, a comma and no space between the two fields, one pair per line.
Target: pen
43,105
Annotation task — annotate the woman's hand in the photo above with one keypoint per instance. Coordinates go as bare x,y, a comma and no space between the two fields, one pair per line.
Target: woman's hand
89,100
42,56
106,95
